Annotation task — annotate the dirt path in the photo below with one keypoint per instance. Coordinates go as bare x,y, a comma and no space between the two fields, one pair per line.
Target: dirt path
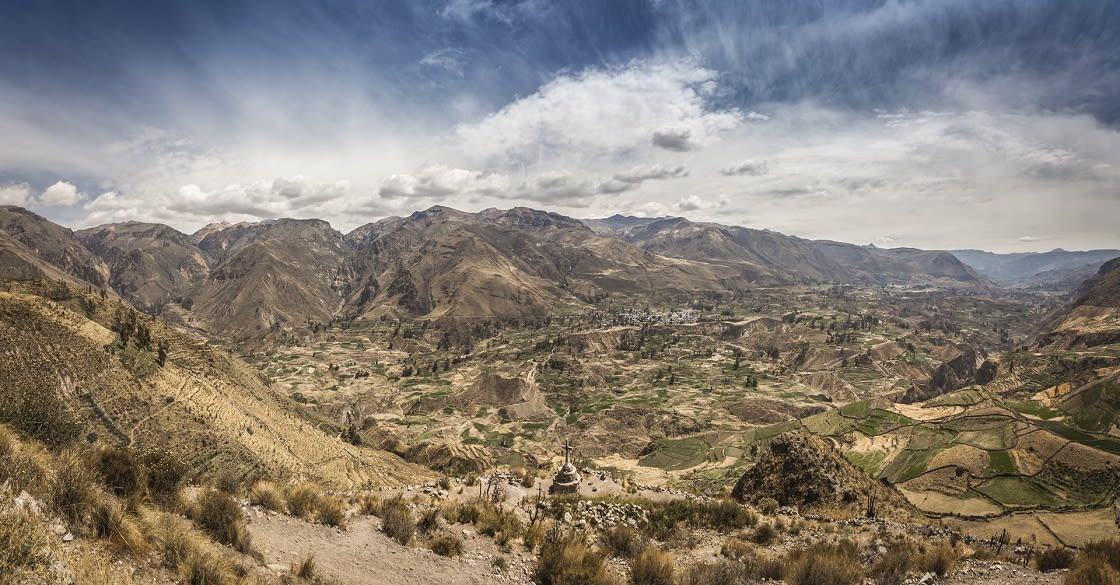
362,555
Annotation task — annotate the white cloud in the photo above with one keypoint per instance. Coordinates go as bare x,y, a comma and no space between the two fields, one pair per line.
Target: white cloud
697,203
15,194
450,59
655,172
437,182
61,194
603,112
750,168
1028,239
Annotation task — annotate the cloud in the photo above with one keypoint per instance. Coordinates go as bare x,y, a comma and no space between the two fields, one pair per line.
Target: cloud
15,194
450,59
655,172
750,168
583,117
697,203
1028,239
676,140
438,182
60,194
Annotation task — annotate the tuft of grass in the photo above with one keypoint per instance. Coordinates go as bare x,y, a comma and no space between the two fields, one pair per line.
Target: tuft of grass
202,567
825,565
652,567
623,541
109,520
24,556
369,505
447,545
1093,571
765,535
565,559
120,471
938,559
723,572
429,521
267,495
21,464
894,566
331,511
768,506
72,488
306,568
303,500
220,516
1055,558
397,521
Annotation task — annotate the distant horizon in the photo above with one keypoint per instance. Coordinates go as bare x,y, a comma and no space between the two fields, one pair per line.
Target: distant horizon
348,230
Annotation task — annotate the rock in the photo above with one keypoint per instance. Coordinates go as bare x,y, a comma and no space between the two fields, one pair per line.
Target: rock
927,578
67,537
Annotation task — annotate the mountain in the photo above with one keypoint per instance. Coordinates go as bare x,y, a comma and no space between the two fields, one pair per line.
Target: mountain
1032,267
518,262
149,264
1092,319
267,275
53,244
787,257
62,365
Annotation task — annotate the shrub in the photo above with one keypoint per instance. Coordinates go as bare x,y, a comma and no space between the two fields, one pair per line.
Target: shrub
228,481
306,567
765,534
202,567
120,471
566,560
72,488
825,565
893,567
1055,558
331,511
24,556
303,500
447,546
723,572
369,505
768,506
109,520
1093,571
722,515
221,517
267,495
623,541
938,560
1106,550
163,473
498,522
397,521
652,567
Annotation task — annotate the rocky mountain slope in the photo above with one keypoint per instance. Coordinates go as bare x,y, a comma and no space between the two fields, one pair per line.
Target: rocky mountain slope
1055,266
786,257
54,244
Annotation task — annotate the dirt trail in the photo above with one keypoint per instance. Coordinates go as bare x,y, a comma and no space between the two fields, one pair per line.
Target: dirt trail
362,555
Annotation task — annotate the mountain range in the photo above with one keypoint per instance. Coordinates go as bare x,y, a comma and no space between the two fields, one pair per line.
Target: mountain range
241,281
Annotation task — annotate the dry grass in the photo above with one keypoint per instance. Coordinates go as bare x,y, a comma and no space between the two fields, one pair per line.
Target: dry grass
447,545
825,565
109,520
397,521
1055,558
331,510
220,516
23,547
938,559
765,535
623,541
894,566
191,555
306,568
22,465
1099,564
724,572
267,495
369,505
652,567
72,488
565,559
303,500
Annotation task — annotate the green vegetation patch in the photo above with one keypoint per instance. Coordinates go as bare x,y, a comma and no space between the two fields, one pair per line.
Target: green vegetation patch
829,423
1102,442
881,421
994,439
1018,492
859,409
908,465
1095,408
872,462
966,397
677,454
1000,463
1032,408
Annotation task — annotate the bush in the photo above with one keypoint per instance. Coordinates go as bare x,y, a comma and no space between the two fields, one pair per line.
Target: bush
723,572
331,511
163,473
397,521
723,515
447,546
429,521
267,495
306,568
623,541
24,556
765,534
1093,571
938,560
893,567
566,560
652,567
1055,558
109,520
498,522
825,565
768,506
72,488
303,500
369,505
120,471
221,517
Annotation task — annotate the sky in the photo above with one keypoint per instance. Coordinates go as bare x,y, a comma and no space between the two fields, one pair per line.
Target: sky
926,123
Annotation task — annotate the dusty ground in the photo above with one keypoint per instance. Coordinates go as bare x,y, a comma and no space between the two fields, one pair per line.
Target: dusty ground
363,555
